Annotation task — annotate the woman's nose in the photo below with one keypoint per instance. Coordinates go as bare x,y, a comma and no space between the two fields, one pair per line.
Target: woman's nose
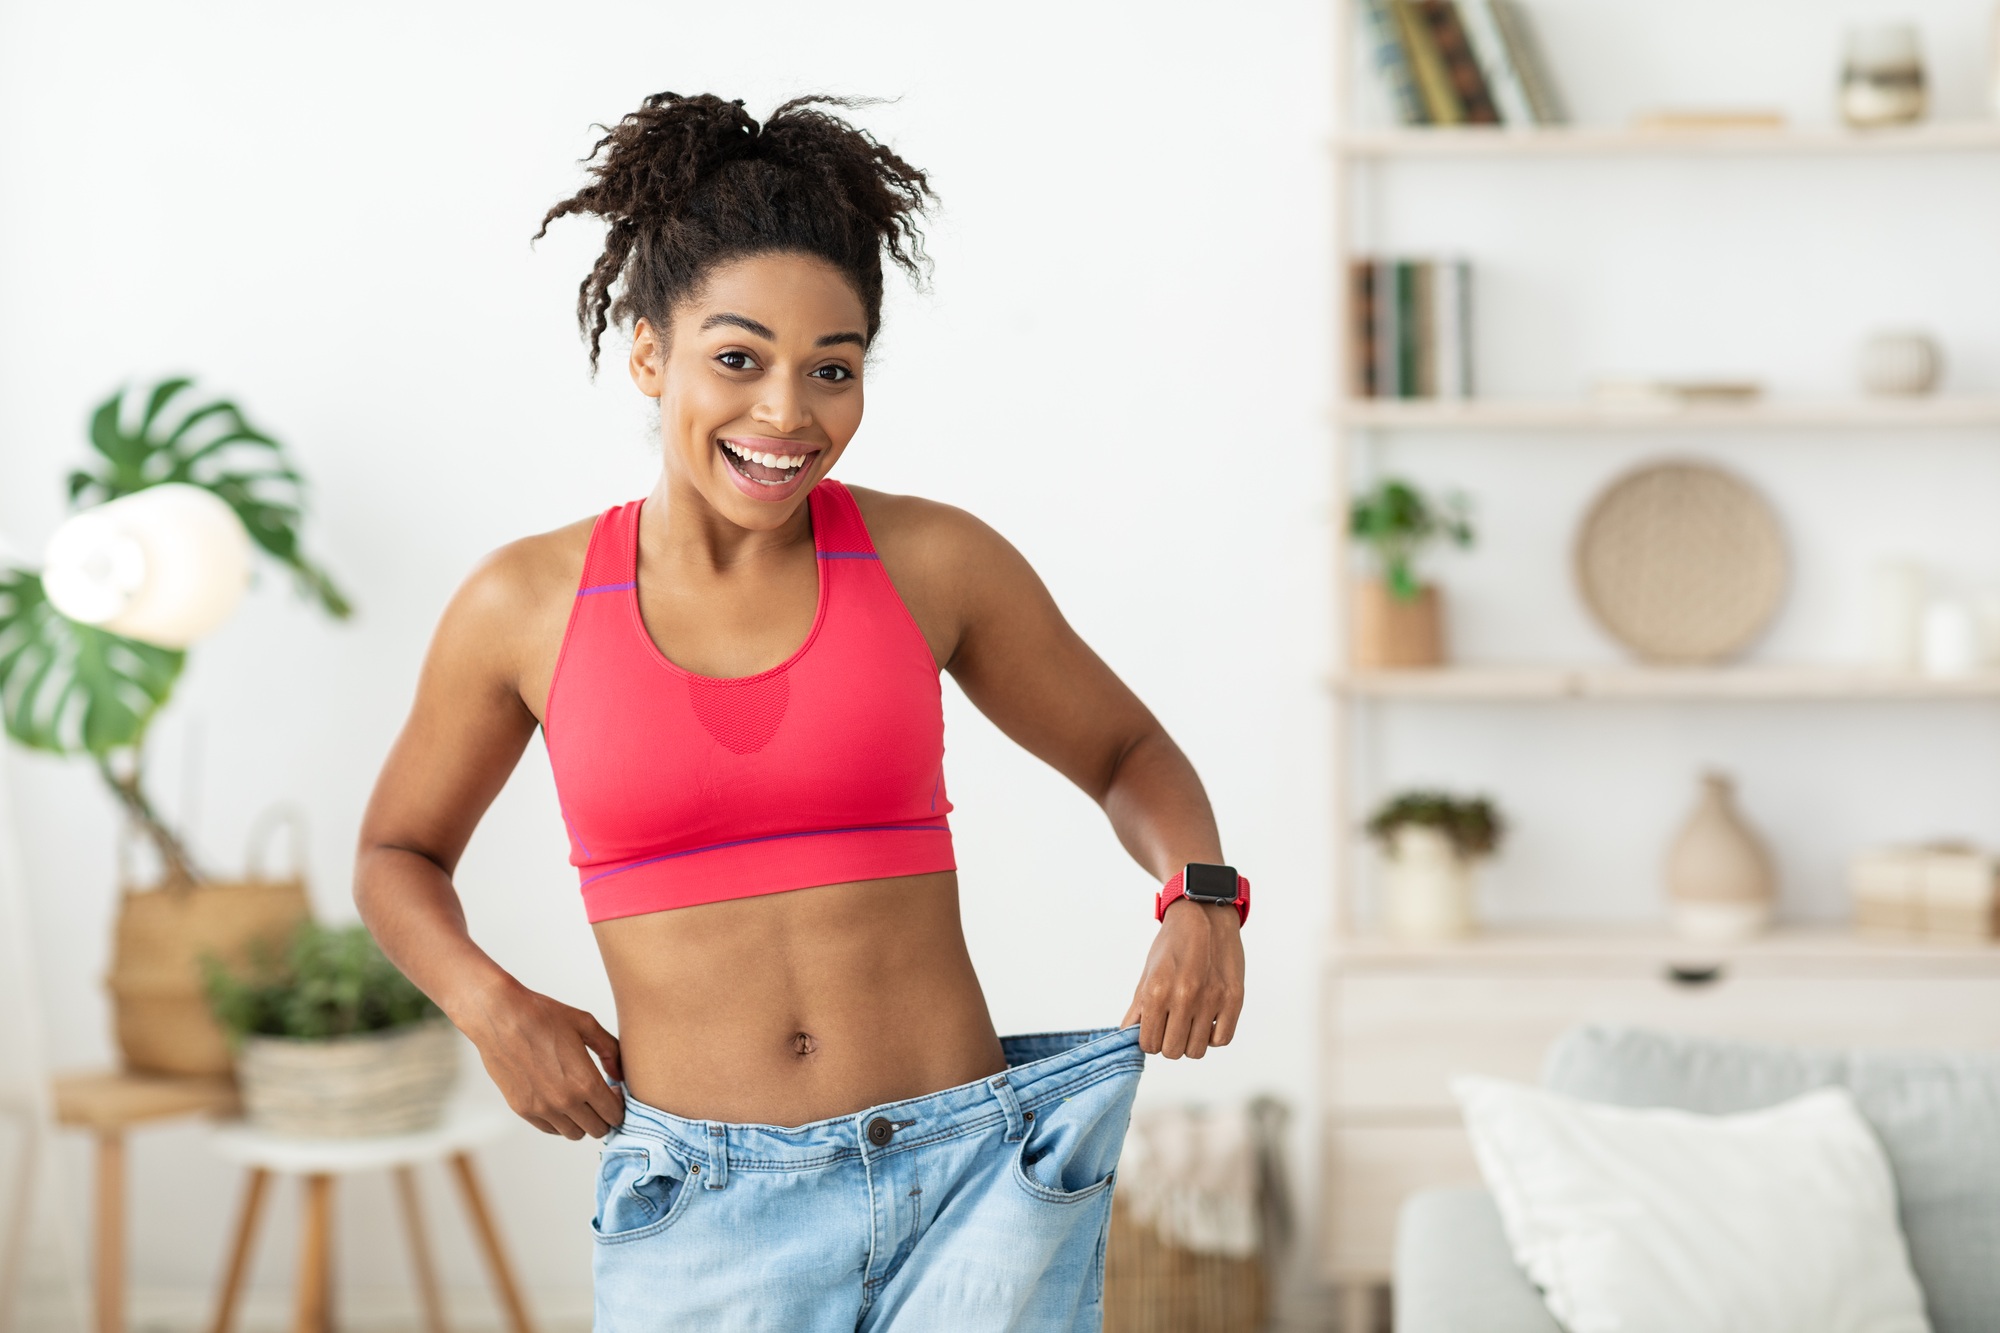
783,408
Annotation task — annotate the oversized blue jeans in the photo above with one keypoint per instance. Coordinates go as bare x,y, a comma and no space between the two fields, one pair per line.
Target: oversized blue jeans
982,1207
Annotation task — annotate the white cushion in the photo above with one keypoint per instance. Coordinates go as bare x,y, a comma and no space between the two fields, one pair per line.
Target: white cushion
1777,1221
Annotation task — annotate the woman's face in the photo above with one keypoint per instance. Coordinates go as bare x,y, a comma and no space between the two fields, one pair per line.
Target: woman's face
759,383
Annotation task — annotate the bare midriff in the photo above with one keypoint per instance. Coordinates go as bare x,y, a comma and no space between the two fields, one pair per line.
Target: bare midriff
788,1008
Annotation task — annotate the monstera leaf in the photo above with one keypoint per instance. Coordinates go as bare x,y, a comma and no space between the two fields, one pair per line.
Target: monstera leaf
67,687
71,688
212,446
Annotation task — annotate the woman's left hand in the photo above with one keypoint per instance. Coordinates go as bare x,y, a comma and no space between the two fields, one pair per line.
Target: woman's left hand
1192,988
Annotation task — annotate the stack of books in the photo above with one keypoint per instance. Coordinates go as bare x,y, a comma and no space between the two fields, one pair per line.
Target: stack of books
1461,62
1410,328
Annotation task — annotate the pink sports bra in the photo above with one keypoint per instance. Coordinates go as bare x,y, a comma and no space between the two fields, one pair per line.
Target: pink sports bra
681,789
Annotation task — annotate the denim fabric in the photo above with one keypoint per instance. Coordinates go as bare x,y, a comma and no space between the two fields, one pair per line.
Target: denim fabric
982,1207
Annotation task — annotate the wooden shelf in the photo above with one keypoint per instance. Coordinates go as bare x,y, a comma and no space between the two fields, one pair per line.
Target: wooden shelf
1588,141
1793,951
1948,410
1505,684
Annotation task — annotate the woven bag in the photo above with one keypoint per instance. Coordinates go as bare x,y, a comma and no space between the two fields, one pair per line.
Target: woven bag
159,1004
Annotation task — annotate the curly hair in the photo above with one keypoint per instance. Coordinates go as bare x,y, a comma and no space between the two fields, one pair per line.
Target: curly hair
687,183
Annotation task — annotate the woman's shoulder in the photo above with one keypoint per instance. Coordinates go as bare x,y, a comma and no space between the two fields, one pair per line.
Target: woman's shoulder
523,582
929,531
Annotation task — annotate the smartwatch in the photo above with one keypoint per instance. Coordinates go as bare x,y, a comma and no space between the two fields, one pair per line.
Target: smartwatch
1203,883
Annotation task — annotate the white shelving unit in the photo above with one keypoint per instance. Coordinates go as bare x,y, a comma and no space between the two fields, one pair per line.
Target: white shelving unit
1583,141
1635,684
1516,414
1399,1018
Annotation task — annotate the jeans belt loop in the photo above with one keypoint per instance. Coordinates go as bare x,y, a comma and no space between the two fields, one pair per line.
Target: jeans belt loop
1003,1091
718,1157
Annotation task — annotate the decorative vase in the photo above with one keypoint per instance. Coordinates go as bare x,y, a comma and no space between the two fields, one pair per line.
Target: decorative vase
1882,81
1427,886
1900,363
392,1082
1719,877
1390,632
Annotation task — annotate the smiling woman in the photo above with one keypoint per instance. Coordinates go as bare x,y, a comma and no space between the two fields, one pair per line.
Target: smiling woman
809,1121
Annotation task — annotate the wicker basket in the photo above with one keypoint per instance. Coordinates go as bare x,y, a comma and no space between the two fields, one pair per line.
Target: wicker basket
393,1082
1152,1286
159,1004
159,1007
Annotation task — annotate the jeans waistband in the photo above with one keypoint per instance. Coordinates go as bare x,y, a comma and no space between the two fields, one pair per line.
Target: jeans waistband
1040,1067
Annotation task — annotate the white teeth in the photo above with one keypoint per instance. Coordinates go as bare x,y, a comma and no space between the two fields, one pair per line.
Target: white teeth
780,461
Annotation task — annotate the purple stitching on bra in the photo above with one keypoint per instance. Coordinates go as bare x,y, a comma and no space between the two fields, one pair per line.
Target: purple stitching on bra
768,837
605,587
579,837
848,555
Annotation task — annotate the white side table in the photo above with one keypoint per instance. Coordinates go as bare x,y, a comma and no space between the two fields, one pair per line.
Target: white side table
317,1162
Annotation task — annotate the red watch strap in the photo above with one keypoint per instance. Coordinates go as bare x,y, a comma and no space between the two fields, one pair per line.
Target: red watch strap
1176,888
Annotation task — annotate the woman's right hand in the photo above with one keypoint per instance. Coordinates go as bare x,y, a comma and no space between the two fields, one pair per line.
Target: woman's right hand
537,1051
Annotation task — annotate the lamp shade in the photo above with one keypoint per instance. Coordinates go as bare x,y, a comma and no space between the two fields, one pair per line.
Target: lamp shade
165,565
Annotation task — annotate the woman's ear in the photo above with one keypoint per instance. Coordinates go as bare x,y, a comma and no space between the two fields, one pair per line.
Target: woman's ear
648,362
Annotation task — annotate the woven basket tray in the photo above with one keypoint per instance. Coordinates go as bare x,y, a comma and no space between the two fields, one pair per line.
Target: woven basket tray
1681,562
393,1082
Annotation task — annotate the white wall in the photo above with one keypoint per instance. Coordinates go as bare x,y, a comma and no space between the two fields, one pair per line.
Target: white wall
324,212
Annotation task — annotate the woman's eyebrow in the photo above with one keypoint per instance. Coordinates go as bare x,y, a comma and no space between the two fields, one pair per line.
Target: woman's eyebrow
834,339
743,322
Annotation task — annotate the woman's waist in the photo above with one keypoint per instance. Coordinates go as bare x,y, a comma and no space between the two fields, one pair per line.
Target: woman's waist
794,1006
1031,1072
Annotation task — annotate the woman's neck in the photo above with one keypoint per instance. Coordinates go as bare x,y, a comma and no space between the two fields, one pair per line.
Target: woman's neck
678,524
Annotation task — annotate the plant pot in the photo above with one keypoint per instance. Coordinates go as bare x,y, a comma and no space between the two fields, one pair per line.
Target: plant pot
393,1082
1719,877
158,1000
1427,886
1390,632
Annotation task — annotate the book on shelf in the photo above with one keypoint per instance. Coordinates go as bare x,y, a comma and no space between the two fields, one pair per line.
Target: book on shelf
1393,63
1460,62
1461,66
1441,105
1518,38
1409,328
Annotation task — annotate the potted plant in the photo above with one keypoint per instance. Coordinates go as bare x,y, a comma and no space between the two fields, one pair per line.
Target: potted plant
331,1040
1431,843
76,689
1399,620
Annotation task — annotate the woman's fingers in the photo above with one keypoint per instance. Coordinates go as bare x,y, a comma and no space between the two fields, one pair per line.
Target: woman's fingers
603,1045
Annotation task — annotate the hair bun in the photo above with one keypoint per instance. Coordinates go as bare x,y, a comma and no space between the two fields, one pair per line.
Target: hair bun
687,183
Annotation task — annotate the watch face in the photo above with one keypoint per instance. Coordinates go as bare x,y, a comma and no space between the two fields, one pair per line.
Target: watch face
1210,884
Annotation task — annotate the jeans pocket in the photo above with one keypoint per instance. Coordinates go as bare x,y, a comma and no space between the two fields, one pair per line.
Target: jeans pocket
641,1188
1070,1152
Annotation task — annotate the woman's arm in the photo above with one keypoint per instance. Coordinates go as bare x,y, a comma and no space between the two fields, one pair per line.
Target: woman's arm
464,735
996,629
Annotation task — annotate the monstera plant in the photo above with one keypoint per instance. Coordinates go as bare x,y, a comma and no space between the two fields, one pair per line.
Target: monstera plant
69,688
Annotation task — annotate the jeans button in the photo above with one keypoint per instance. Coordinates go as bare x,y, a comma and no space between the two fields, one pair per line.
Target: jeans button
879,1131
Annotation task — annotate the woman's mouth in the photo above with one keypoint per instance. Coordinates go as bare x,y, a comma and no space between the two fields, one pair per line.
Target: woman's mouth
767,469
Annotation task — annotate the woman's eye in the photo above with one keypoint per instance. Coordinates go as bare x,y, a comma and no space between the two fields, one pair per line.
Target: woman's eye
835,373
737,360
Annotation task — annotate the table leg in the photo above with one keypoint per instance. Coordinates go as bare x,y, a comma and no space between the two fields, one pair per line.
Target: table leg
1358,1307
239,1253
420,1250
314,1309
110,1277
489,1240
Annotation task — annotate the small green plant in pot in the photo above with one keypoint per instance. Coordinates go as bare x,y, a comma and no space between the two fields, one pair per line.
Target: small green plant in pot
1398,618
1432,842
331,1040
